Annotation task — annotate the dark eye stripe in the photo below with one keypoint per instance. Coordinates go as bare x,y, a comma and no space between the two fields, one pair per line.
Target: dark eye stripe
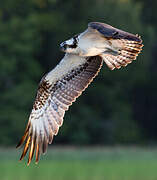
72,46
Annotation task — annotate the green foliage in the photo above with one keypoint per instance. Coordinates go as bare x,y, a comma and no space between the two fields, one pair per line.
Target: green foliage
109,112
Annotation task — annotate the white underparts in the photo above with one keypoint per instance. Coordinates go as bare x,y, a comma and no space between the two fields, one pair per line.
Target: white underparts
69,62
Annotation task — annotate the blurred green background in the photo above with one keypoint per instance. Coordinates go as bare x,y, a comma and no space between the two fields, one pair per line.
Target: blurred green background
119,107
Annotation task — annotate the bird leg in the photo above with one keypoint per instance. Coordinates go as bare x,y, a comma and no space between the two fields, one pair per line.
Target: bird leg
111,51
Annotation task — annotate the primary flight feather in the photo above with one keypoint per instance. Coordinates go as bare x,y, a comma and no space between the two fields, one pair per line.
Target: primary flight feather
84,56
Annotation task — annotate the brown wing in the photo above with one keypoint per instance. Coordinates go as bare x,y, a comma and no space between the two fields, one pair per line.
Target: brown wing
51,103
112,32
128,51
125,46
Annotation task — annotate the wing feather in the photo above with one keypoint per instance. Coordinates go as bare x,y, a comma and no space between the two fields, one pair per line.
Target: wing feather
128,51
111,32
124,46
53,99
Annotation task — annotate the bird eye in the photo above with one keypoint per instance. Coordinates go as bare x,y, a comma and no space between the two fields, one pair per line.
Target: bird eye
64,46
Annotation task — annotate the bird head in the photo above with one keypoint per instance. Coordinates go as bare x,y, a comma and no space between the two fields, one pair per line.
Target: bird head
70,46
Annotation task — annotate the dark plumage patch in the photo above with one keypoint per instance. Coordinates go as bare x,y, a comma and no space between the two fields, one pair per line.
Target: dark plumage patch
42,95
111,32
73,73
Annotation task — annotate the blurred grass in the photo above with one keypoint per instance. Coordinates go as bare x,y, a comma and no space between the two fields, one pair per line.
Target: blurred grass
63,163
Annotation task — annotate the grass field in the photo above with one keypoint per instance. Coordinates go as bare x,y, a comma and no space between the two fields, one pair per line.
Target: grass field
116,163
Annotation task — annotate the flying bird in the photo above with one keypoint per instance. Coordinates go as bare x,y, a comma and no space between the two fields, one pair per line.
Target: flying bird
84,56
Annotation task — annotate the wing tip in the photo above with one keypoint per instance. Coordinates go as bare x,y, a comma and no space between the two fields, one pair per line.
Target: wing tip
24,136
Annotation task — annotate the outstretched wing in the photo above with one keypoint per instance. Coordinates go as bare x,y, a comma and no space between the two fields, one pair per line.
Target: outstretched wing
127,45
53,99
127,52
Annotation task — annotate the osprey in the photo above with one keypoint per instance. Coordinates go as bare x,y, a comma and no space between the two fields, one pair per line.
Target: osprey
84,56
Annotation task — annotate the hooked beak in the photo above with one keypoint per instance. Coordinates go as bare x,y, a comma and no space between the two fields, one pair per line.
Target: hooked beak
63,46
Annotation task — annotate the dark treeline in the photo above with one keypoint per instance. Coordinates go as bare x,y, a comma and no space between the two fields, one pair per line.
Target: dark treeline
119,107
